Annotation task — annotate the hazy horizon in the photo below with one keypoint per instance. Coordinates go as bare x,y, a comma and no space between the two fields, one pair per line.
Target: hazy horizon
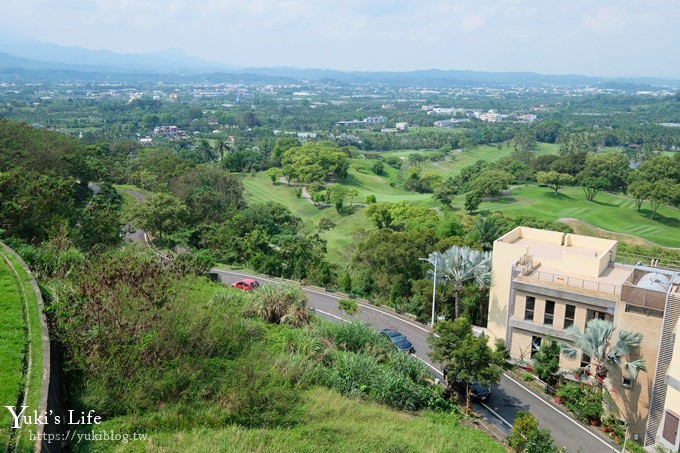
608,39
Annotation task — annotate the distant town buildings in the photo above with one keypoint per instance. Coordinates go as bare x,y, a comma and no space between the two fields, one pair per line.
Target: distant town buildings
365,121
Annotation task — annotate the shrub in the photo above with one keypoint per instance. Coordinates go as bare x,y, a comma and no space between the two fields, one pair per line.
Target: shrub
280,304
355,337
351,307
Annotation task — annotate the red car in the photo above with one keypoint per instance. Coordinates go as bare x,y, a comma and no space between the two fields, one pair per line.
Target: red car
247,284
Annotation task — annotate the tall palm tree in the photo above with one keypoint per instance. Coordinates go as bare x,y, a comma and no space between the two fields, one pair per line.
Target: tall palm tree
461,265
607,347
221,147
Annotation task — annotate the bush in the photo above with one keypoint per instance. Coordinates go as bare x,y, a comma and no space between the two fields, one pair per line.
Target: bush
355,337
351,307
280,304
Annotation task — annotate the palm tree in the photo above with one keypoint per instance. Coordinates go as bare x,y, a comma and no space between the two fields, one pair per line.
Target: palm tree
221,147
488,232
461,265
607,347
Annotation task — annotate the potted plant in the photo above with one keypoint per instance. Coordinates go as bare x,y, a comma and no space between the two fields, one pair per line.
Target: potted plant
609,420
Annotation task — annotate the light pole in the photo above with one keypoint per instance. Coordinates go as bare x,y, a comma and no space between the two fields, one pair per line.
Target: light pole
434,285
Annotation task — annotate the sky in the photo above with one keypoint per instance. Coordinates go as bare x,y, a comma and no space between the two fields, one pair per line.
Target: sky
590,37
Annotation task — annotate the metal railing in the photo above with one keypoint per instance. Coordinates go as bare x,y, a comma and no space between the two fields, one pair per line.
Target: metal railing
574,282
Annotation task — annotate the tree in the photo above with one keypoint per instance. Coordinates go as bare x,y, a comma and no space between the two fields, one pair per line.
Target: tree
554,180
661,193
205,150
337,194
274,174
160,213
491,183
488,231
547,360
221,147
526,437
447,190
325,224
612,168
462,265
638,190
592,186
314,161
351,193
472,201
606,346
378,168
466,357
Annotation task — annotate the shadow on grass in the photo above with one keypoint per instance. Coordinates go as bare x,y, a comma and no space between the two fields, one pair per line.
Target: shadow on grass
551,195
668,221
502,200
602,203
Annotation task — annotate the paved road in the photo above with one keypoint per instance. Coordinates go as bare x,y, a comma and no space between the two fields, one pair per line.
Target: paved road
507,398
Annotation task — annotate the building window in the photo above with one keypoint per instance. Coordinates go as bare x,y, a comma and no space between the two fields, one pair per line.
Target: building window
535,345
670,427
529,308
549,312
585,360
569,314
592,314
627,382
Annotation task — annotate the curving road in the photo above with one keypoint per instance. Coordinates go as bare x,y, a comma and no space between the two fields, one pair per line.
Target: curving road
507,398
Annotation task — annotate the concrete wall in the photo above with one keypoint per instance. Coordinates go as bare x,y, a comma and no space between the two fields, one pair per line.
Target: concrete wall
633,403
672,391
50,402
505,255
553,237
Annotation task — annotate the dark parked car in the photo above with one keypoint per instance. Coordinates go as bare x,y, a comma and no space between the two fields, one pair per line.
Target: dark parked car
398,340
247,284
477,391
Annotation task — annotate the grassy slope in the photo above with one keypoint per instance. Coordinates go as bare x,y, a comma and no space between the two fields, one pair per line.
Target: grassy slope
12,342
327,422
611,212
259,188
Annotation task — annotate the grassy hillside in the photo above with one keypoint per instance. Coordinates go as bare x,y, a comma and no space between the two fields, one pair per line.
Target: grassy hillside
11,345
16,295
325,422
611,212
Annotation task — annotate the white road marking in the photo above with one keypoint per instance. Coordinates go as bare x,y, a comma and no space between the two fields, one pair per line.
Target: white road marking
329,314
559,412
496,414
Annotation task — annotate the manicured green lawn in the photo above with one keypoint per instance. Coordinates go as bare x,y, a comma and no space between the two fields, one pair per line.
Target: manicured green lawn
611,212
259,189
326,421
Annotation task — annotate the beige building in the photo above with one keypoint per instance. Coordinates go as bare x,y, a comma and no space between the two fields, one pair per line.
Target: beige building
545,281
668,433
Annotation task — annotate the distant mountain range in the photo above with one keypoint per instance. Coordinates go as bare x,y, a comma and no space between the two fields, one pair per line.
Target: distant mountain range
22,60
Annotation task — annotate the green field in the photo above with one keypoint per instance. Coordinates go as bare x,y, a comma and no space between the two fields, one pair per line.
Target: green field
17,293
326,421
611,212
259,189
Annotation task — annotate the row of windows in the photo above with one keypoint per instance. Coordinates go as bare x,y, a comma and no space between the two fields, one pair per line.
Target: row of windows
549,312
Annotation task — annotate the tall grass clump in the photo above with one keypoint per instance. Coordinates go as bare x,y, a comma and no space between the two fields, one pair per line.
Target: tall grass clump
354,336
280,304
